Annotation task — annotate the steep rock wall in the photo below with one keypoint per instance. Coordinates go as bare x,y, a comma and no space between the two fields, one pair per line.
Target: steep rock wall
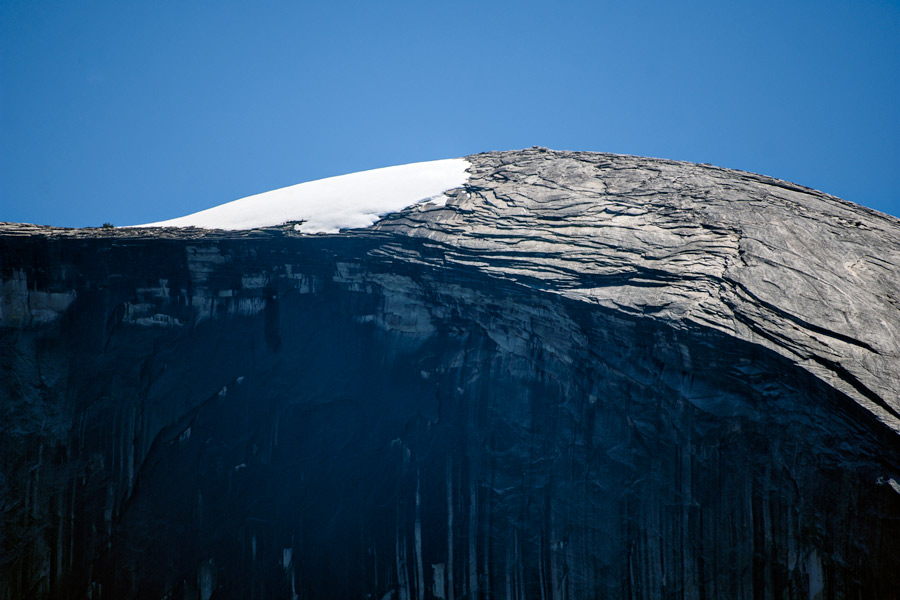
438,409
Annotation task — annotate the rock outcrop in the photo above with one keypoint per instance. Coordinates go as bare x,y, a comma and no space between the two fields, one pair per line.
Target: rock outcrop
586,376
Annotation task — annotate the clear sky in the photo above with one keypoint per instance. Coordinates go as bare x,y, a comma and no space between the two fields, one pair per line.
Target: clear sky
131,112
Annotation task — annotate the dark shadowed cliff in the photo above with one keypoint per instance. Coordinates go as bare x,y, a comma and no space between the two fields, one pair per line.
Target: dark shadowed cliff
586,376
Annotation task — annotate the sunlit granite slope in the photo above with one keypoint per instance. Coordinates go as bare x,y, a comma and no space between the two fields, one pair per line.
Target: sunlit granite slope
583,376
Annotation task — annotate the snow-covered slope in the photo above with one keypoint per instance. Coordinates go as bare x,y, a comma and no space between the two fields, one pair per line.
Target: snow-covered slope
335,203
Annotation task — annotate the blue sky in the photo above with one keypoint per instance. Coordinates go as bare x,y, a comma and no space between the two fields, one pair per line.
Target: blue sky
132,112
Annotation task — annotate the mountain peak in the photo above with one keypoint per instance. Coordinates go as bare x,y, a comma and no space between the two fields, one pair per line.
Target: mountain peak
580,375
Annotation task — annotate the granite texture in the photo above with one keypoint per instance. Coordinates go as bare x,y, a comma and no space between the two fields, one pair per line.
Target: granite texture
586,376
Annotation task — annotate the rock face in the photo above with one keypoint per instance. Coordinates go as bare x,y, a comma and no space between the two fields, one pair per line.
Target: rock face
586,376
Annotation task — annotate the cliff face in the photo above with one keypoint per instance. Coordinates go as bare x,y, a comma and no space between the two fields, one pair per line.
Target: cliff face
587,376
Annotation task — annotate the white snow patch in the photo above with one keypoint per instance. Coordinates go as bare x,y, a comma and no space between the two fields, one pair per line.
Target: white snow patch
329,205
